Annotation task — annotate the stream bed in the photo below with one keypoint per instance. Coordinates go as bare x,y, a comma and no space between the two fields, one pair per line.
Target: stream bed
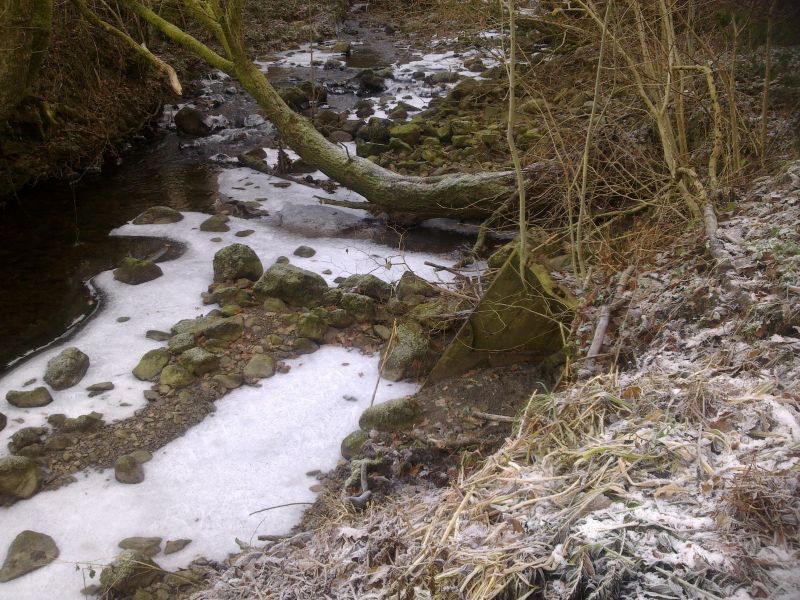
258,447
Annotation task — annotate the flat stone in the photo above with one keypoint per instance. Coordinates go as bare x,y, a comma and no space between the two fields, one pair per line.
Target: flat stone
241,234
158,215
98,388
34,398
304,251
29,551
159,336
216,223
173,546
149,546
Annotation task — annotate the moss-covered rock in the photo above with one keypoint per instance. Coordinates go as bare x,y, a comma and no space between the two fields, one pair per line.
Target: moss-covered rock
311,326
407,132
237,261
180,343
216,223
20,478
303,345
223,332
232,295
413,289
260,366
394,415
34,398
128,470
367,285
410,355
353,443
158,215
291,284
191,121
198,361
275,305
151,363
175,376
361,307
134,271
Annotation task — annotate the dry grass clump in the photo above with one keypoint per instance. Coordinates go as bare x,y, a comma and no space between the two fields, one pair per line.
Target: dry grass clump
766,502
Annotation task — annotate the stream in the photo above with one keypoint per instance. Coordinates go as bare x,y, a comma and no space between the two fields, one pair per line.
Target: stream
260,444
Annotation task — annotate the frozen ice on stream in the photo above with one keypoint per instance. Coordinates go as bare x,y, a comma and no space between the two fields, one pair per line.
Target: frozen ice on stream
253,452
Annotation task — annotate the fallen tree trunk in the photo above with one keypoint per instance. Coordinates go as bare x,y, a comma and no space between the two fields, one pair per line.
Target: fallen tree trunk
403,198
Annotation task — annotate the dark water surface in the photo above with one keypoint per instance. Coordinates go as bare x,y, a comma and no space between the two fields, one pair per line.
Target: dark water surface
56,238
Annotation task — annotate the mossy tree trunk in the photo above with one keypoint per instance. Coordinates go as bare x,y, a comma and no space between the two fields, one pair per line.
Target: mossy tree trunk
24,37
404,198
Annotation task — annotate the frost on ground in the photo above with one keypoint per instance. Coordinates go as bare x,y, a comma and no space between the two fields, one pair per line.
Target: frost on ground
253,452
677,476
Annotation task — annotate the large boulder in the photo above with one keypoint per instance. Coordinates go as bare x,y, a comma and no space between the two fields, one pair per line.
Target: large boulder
129,572
28,399
291,284
134,271
29,551
19,478
411,354
368,285
237,261
191,121
394,415
151,364
158,215
66,369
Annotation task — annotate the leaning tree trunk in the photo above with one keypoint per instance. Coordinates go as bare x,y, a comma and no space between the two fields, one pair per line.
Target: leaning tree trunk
405,198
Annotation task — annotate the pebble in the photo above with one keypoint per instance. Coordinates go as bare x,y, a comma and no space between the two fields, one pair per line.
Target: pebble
123,319
244,232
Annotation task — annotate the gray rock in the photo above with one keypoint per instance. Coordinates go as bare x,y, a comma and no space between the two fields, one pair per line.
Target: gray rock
128,470
181,343
191,121
129,572
149,546
304,251
34,398
20,477
159,336
394,415
316,221
291,284
151,364
58,442
216,223
98,388
237,261
82,422
260,366
29,551
413,289
158,215
199,361
141,456
133,271
304,346
27,436
361,307
173,546
244,233
224,331
66,369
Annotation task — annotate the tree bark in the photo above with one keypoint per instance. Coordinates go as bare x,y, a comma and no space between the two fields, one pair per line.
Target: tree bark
404,198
